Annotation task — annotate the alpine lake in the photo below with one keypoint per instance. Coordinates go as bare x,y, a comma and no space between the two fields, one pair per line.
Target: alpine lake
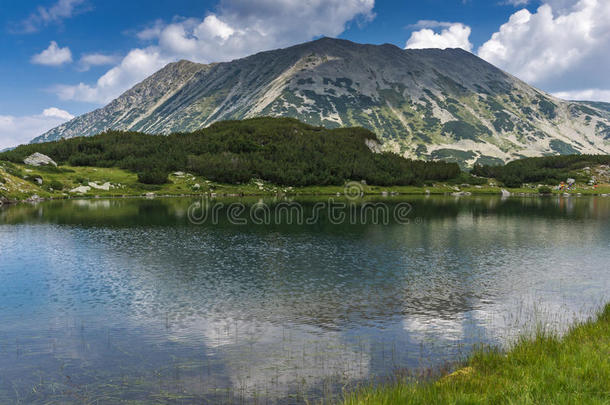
264,301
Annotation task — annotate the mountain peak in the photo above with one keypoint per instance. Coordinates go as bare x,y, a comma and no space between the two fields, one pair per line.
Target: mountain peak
425,103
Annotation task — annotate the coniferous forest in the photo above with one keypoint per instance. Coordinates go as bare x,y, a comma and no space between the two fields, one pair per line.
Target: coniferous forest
546,170
279,150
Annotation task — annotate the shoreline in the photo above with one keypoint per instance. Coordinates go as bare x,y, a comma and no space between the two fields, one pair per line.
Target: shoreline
470,193
21,183
297,193
542,368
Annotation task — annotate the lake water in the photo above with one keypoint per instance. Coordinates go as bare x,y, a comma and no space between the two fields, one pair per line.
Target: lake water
103,301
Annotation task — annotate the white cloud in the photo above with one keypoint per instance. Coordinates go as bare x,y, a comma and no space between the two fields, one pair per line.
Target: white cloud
53,56
96,59
54,112
152,31
517,3
431,24
239,28
562,47
587,95
455,35
19,130
138,64
44,16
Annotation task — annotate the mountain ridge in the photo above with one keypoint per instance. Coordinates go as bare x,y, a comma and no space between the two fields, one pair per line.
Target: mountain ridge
431,103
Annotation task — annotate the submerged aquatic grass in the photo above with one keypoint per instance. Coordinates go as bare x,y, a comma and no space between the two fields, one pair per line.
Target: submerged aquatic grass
542,369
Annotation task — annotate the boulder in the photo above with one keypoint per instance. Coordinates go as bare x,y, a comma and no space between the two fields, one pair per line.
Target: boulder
38,159
106,186
81,189
33,198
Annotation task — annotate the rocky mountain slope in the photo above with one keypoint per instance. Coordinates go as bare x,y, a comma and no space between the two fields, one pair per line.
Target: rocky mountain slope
432,104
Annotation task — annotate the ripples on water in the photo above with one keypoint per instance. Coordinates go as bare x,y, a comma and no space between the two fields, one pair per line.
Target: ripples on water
109,300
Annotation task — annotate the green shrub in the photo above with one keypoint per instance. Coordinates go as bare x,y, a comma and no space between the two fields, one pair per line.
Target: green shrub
13,170
56,185
32,179
151,187
49,169
512,181
545,190
152,177
469,179
545,170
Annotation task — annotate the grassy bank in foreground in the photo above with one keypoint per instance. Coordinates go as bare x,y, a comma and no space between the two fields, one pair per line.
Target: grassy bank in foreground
545,369
19,182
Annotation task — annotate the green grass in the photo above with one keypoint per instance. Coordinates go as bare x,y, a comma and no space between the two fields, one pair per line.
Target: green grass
544,369
17,183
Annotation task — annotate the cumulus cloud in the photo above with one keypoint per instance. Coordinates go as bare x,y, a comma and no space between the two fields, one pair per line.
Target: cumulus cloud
455,35
152,31
19,130
138,64
54,112
562,48
56,13
586,95
53,56
96,59
237,29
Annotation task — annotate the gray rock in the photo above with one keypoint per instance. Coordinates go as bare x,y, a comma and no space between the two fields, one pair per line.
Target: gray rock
38,159
106,186
81,189
33,198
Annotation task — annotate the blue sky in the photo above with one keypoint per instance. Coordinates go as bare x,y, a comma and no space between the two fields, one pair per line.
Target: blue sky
62,58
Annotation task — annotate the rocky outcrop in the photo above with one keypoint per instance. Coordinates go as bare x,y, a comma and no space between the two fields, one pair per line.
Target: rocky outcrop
81,189
38,159
106,186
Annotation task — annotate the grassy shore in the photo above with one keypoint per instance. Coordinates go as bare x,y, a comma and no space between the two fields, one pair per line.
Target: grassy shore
19,182
545,369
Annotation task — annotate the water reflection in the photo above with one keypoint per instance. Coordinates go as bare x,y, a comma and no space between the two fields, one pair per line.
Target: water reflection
126,300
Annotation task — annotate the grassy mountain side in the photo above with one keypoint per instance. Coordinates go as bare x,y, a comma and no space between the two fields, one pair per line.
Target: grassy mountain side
428,104
281,151
600,105
268,156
